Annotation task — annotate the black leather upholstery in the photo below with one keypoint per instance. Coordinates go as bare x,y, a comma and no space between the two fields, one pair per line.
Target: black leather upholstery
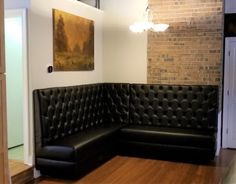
68,110
169,136
116,99
78,127
172,117
69,126
77,146
188,107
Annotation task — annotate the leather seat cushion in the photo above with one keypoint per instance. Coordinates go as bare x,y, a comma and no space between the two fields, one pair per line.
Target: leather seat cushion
169,136
79,146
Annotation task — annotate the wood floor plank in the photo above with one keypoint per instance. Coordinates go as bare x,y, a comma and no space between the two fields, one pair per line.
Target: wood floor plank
20,172
131,170
17,167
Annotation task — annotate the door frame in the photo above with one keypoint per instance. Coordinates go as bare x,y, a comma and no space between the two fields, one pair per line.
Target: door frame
23,14
4,174
225,124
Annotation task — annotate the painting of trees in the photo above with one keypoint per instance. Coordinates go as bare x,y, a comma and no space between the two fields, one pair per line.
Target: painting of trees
73,42
61,44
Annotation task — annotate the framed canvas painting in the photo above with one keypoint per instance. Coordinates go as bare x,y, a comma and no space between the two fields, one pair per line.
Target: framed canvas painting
73,42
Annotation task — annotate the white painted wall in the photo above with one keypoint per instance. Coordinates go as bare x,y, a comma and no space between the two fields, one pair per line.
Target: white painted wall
41,44
124,52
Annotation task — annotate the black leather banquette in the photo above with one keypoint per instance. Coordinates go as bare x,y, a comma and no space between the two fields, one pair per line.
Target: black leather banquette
79,127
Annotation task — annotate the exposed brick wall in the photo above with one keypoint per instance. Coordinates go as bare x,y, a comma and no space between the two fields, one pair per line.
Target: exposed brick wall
190,51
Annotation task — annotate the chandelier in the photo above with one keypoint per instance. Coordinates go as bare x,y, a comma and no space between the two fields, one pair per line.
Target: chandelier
147,24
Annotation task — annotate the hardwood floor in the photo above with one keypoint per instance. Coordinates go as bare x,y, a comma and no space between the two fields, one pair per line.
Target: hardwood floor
20,172
130,170
230,177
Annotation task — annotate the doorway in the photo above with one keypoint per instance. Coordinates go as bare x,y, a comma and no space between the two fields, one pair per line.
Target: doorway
16,82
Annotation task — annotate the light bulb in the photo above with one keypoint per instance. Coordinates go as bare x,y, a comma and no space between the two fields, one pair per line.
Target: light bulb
160,27
136,27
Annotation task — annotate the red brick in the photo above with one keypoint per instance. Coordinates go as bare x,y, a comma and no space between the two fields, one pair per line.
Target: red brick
190,51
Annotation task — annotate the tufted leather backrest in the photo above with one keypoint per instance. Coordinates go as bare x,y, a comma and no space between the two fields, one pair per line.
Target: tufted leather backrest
116,103
193,107
64,111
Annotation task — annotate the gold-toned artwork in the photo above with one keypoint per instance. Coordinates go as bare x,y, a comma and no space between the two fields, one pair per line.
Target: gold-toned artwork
73,42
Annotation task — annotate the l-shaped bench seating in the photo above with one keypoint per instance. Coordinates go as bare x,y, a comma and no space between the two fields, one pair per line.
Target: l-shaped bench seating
79,127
